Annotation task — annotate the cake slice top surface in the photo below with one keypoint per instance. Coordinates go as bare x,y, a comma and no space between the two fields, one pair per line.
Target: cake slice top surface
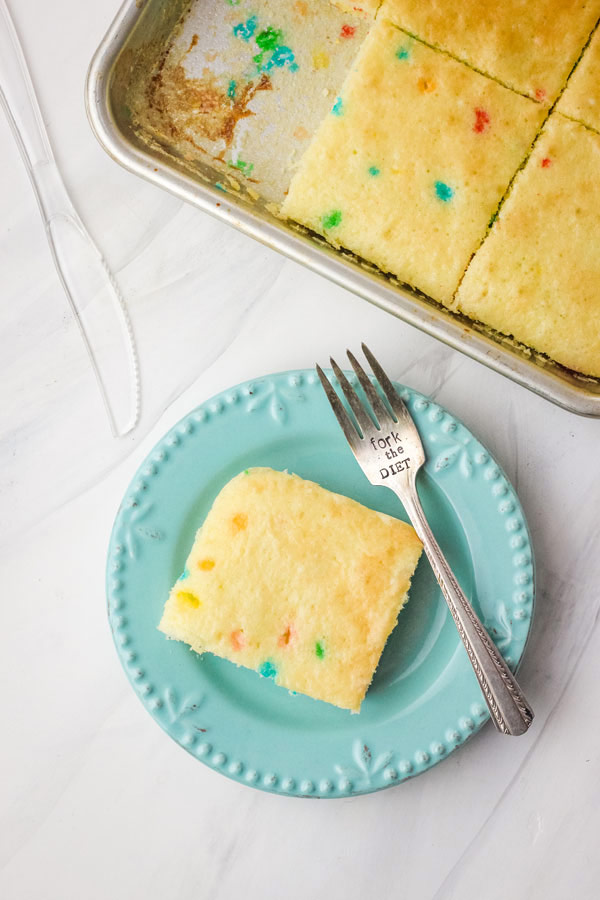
530,47
581,99
536,276
410,165
299,583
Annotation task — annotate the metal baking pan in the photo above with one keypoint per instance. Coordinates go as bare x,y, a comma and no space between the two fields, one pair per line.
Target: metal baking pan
213,175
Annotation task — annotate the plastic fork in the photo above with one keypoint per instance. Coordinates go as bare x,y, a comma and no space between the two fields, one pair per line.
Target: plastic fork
387,447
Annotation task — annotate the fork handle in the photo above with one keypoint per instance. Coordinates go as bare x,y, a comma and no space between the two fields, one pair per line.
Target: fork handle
506,702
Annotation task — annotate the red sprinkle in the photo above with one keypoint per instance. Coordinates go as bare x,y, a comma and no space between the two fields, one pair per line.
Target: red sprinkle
347,31
546,162
540,94
482,120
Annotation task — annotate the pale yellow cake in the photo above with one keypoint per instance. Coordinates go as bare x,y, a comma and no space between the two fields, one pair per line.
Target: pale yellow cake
530,46
294,581
410,165
537,275
581,99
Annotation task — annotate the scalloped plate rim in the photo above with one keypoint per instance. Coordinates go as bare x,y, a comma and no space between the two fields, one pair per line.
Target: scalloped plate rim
203,413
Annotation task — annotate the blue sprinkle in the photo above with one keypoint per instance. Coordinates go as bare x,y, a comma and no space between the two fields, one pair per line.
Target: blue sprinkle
220,187
374,171
245,30
184,574
231,89
337,108
443,191
279,58
267,669
402,53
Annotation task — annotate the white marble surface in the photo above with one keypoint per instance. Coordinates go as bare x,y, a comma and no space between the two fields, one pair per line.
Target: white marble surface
96,801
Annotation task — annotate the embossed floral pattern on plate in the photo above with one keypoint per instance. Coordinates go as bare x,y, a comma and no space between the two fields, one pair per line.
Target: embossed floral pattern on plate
246,727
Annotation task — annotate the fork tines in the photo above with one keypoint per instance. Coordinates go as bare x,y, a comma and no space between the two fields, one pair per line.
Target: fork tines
374,416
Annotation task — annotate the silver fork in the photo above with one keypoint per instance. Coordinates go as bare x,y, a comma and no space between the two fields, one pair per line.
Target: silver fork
380,432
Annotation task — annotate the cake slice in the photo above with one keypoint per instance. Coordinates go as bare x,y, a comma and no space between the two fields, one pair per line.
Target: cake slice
296,582
530,47
537,275
410,165
581,99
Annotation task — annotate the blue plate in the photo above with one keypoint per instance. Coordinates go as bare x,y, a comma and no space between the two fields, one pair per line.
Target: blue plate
424,701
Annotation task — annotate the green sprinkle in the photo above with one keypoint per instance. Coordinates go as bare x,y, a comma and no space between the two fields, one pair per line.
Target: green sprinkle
244,167
231,89
319,650
246,471
234,2
374,171
269,38
332,219
402,53
267,669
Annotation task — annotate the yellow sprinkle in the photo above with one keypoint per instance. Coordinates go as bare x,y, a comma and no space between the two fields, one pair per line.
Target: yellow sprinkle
186,598
206,564
320,59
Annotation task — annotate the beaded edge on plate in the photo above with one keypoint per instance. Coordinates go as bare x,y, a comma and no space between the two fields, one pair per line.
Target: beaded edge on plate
366,770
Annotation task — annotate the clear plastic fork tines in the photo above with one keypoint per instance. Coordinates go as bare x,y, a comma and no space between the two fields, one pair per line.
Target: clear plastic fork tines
385,441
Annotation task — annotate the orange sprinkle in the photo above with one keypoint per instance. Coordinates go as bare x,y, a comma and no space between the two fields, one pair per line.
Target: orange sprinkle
286,638
540,94
301,133
546,162
239,522
426,85
206,564
237,639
